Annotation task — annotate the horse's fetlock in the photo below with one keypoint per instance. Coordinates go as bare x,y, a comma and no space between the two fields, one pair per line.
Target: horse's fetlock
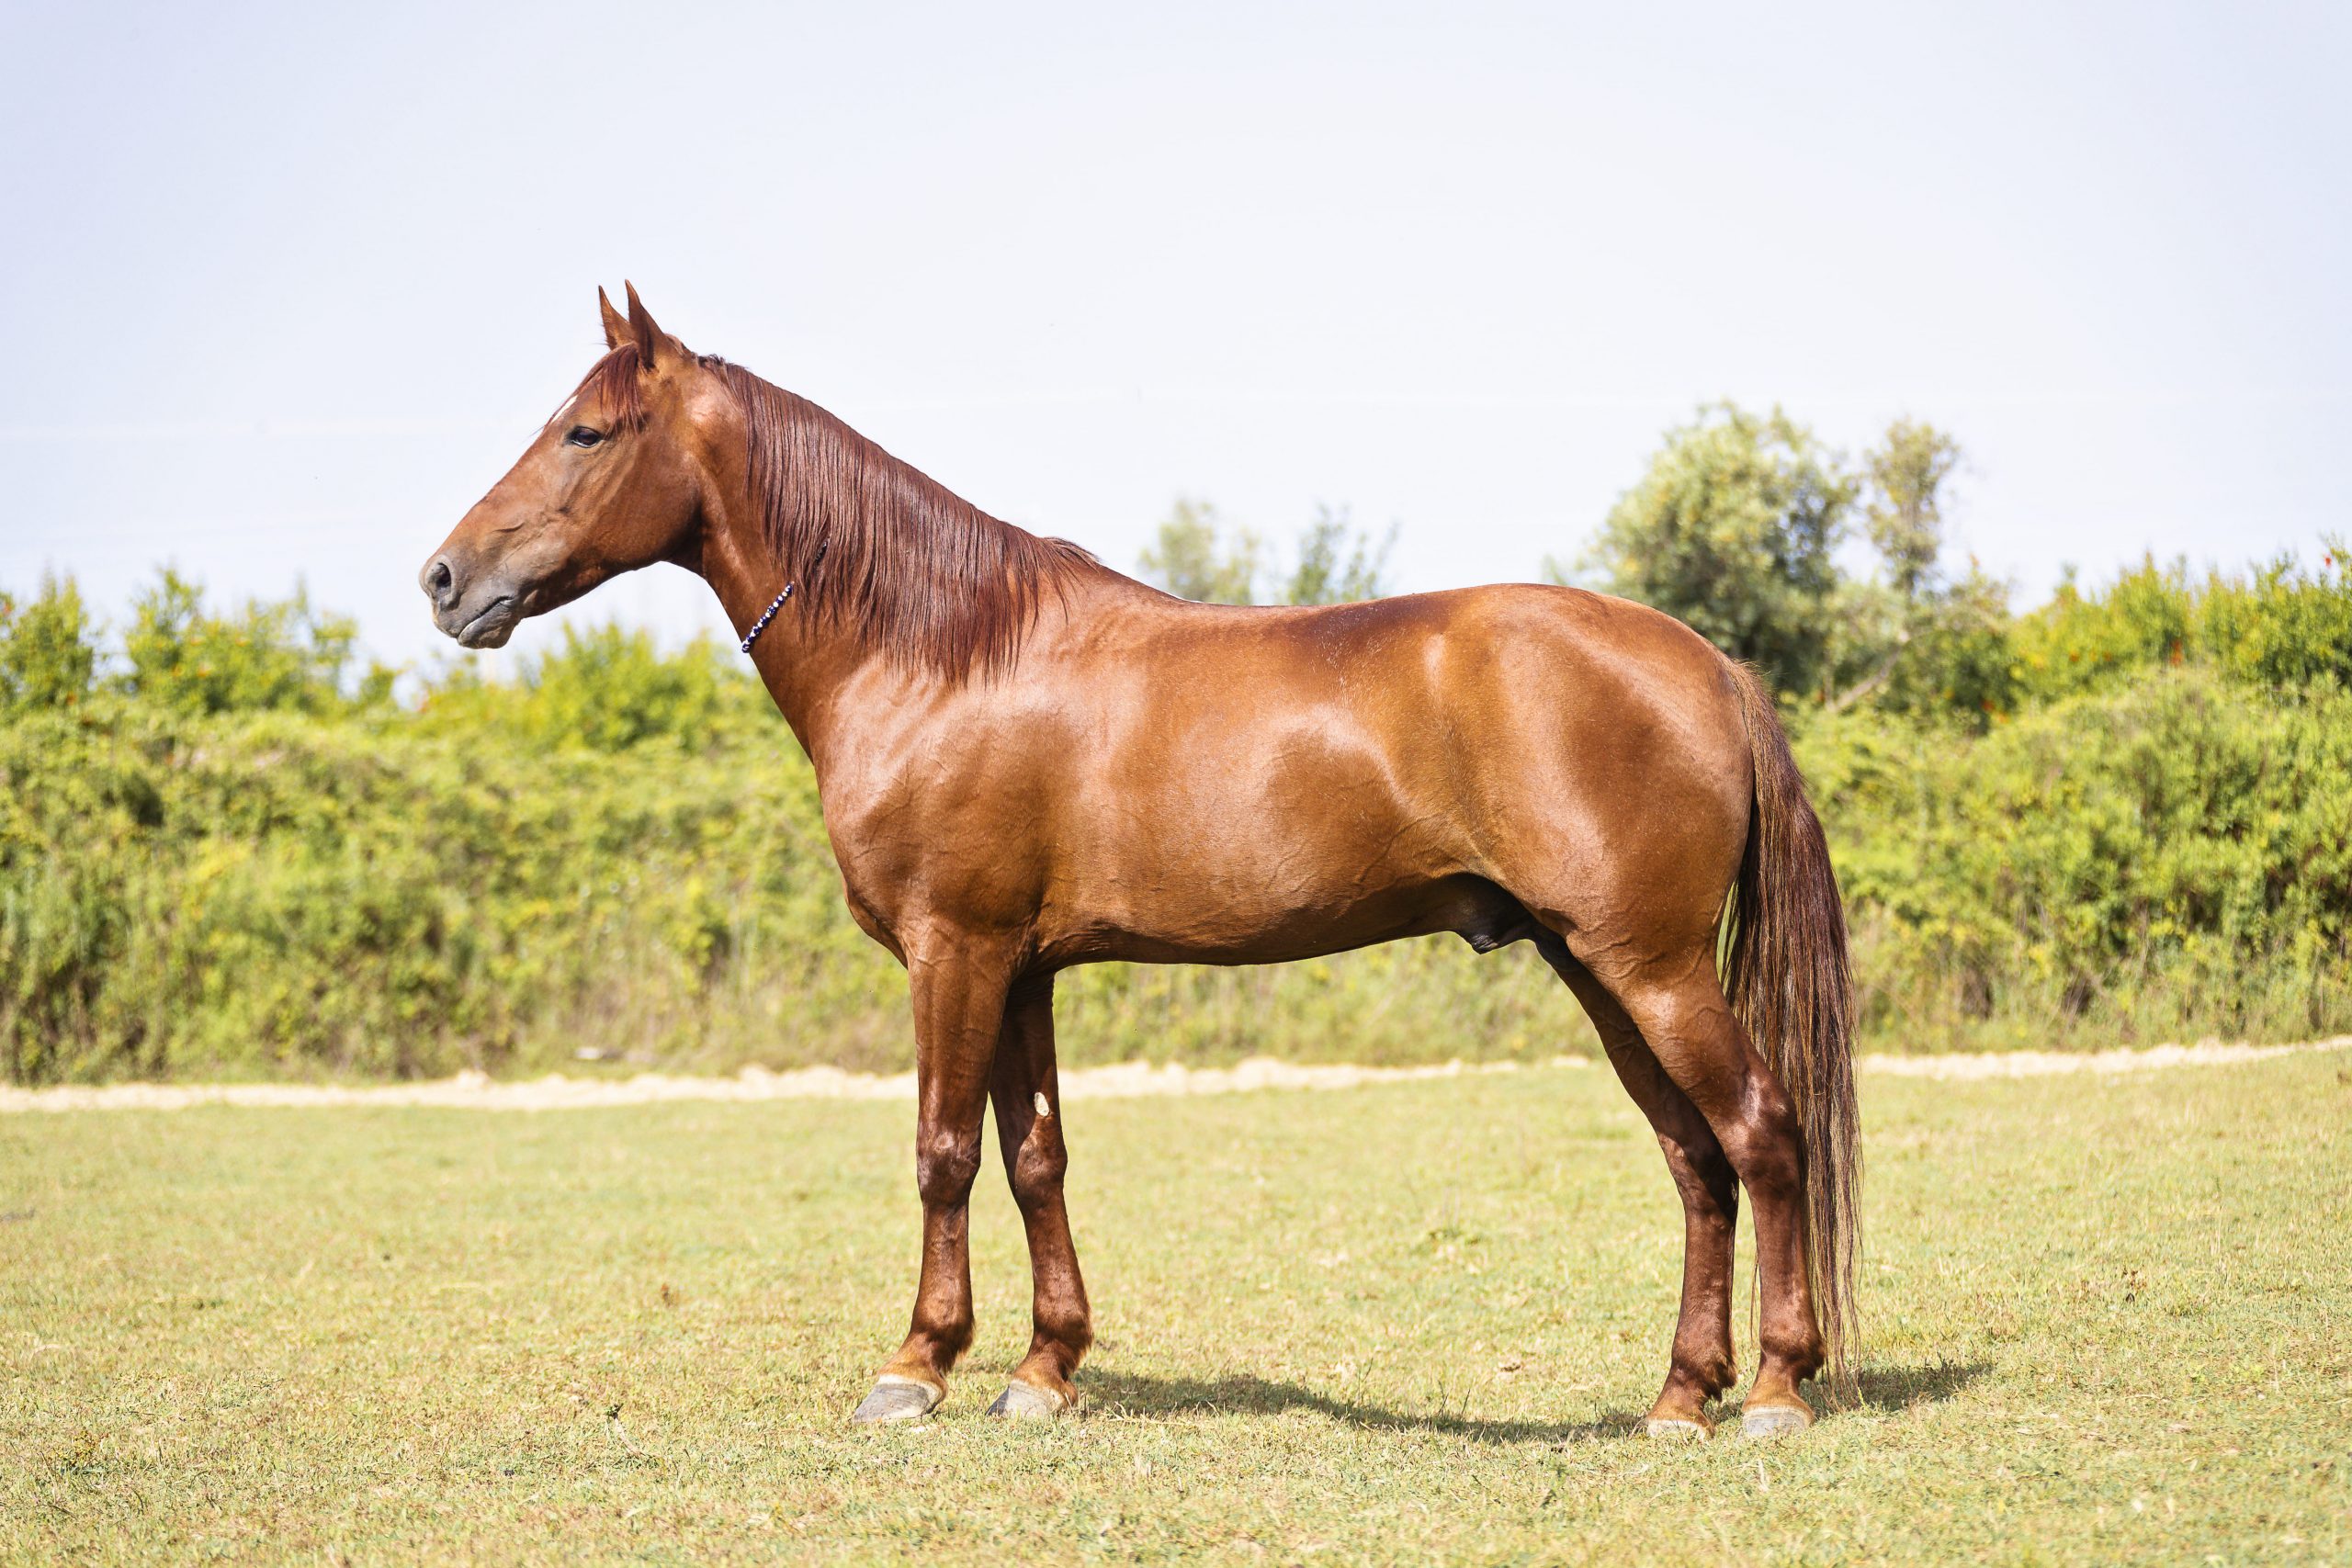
1066,1327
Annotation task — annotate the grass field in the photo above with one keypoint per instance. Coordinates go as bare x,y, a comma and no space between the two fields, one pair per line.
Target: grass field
2109,1320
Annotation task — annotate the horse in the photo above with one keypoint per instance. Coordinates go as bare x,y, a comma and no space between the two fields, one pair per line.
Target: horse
1027,761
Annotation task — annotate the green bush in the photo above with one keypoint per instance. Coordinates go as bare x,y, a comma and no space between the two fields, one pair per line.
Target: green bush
2162,860
609,689
2282,626
266,656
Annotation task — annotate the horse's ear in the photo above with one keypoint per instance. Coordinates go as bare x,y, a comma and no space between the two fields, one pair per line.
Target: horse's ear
616,328
650,340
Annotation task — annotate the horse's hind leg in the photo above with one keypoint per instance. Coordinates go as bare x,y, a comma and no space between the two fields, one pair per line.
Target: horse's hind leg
1689,1025
1702,1365
1029,1130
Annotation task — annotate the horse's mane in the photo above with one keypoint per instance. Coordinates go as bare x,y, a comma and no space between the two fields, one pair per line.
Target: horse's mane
884,552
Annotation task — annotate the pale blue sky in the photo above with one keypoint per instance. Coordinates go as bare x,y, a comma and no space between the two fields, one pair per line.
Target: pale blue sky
286,289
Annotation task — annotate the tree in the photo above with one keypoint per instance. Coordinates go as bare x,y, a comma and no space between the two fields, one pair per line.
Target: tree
1960,657
49,654
1911,637
1338,563
1905,473
1187,559
1732,531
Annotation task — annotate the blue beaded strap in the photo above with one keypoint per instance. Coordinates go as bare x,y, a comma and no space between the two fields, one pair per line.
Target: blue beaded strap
777,602
766,617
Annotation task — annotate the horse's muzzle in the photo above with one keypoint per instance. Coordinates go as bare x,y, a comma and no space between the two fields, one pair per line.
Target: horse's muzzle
488,628
478,614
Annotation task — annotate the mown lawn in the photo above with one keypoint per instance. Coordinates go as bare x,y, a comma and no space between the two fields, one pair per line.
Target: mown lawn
2109,1320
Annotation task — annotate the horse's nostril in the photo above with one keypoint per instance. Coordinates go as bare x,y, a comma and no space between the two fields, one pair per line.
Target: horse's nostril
437,578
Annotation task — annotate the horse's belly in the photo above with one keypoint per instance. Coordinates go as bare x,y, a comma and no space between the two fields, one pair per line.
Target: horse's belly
1296,891
1202,935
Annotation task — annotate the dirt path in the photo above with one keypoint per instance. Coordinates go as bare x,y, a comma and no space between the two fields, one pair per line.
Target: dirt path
1126,1081
2046,1064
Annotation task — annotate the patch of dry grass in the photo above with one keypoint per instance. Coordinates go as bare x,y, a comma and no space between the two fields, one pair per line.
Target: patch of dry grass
2108,1319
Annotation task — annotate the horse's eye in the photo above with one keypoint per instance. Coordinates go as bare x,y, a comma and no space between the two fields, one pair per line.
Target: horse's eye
583,436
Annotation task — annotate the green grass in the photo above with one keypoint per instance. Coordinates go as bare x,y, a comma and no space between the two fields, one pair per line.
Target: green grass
2108,1321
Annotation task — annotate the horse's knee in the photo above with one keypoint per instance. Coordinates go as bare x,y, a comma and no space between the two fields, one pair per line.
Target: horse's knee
1703,1175
1766,1143
1037,1170
947,1162
1751,1121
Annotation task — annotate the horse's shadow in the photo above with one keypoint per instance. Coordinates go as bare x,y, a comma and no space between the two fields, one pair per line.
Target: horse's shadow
1908,1387
1243,1393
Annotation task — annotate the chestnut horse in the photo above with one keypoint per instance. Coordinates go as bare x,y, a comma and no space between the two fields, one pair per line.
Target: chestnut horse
1028,761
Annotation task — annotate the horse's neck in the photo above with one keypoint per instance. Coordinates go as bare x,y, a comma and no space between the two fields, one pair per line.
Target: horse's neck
803,658
808,660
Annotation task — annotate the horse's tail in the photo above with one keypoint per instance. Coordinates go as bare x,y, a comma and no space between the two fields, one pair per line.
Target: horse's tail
1788,981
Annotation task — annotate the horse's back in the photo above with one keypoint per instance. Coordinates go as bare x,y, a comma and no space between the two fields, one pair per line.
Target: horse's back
1490,687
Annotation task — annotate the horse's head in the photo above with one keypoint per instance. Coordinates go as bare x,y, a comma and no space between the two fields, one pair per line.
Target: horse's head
609,485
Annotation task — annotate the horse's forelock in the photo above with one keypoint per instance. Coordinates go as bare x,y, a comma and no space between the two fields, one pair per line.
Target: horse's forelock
613,382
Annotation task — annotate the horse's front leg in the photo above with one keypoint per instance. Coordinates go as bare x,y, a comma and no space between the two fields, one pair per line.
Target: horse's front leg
958,988
1029,1131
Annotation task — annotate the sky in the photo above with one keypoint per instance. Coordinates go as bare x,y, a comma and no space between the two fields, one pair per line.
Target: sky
286,289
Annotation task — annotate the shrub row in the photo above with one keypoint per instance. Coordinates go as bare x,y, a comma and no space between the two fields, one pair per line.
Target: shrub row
279,893
2166,859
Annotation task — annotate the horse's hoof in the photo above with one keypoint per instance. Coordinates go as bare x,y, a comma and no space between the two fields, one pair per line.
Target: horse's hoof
1773,1421
1674,1429
896,1398
1022,1402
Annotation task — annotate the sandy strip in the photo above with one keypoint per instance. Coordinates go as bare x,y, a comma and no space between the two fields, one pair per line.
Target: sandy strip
2046,1064
477,1091
1130,1080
